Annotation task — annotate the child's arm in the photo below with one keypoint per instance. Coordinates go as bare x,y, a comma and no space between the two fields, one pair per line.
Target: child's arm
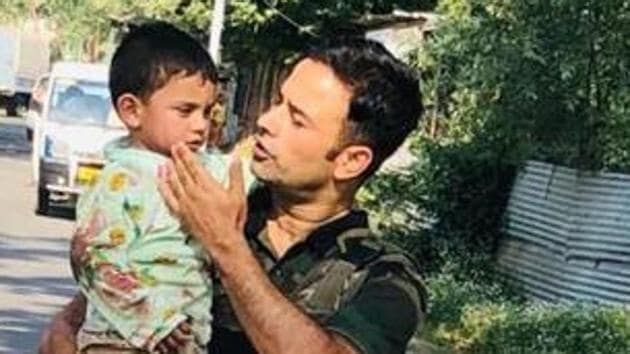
115,219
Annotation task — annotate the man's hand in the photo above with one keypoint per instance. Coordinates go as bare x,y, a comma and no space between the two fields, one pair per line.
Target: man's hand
60,336
213,214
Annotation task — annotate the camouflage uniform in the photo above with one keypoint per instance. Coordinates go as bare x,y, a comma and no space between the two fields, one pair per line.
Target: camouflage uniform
346,279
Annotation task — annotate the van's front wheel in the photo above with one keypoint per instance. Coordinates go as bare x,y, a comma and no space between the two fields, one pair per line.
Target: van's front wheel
11,107
43,196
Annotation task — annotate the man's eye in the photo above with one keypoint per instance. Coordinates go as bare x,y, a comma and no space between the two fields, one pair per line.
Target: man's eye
297,122
276,100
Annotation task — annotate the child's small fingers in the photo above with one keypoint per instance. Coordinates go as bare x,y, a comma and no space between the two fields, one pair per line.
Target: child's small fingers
185,328
180,337
162,349
172,343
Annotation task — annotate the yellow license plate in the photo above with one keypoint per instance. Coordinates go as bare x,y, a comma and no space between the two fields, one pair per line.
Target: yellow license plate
87,175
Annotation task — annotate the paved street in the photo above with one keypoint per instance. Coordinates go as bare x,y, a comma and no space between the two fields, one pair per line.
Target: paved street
34,273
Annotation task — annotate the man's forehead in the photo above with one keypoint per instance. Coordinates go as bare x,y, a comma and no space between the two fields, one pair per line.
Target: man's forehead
313,86
315,74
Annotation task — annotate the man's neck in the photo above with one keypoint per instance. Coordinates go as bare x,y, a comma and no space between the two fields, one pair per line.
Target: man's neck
294,218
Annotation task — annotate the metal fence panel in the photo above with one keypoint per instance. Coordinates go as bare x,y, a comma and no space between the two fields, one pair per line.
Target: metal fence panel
568,235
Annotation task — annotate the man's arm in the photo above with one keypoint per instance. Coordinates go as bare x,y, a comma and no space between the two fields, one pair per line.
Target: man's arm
380,318
216,216
272,322
60,336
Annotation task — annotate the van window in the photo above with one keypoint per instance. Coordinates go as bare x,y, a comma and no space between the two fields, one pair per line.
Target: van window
79,102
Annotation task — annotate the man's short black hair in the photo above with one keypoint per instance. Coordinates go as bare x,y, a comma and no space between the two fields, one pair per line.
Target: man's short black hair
151,54
386,104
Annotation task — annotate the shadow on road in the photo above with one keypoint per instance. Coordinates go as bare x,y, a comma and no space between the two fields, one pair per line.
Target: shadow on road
54,286
7,252
20,329
58,249
17,330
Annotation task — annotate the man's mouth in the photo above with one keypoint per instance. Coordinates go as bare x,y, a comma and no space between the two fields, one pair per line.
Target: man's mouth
261,152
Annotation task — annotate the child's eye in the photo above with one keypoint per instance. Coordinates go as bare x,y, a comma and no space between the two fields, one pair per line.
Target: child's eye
184,111
207,112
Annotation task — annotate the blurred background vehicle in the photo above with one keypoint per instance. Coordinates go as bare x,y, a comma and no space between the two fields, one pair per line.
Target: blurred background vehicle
77,120
24,57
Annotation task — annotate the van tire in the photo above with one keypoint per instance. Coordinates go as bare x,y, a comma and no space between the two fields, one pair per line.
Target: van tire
42,201
11,106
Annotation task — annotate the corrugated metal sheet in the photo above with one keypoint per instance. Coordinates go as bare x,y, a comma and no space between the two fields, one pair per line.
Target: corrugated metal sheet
568,234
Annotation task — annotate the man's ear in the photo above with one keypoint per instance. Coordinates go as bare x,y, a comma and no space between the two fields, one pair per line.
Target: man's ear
130,109
352,161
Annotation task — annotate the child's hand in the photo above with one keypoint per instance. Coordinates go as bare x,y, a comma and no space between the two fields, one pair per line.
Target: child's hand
176,340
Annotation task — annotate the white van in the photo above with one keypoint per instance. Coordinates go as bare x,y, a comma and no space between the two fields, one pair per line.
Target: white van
77,120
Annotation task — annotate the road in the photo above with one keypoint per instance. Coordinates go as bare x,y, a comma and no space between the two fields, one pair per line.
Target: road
35,276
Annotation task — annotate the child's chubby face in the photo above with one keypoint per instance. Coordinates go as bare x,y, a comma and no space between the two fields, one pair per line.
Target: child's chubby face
178,112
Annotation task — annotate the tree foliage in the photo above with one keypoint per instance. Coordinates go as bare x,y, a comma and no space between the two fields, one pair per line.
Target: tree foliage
259,28
506,81
551,76
254,29
85,30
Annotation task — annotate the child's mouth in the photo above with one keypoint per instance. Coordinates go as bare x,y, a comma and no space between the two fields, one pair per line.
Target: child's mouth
194,145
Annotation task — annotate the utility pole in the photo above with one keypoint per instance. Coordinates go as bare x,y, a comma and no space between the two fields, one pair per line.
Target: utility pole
216,29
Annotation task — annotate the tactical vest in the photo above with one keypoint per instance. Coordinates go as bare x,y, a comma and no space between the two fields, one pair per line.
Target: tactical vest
337,276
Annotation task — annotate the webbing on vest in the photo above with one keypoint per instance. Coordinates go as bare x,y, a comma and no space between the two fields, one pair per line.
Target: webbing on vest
341,272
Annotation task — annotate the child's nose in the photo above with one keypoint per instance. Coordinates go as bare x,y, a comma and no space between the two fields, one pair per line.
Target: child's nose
199,122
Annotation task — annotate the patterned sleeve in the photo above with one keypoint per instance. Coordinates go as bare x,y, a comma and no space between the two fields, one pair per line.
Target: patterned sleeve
111,220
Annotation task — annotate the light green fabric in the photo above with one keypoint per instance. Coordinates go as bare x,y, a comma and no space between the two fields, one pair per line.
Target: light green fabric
140,272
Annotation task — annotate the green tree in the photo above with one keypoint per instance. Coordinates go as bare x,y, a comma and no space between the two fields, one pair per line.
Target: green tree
86,29
254,29
259,28
507,81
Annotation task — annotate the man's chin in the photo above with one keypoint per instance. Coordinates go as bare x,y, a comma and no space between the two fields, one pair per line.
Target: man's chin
260,172
256,171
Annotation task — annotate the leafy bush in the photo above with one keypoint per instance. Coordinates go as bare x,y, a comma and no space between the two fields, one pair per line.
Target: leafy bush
450,296
447,207
471,317
564,328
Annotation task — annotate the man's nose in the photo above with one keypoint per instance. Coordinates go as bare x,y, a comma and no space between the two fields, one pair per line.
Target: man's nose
267,123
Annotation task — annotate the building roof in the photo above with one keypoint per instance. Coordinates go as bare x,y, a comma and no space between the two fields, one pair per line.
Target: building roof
427,20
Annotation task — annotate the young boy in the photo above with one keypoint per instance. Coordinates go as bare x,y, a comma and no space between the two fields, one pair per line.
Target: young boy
142,274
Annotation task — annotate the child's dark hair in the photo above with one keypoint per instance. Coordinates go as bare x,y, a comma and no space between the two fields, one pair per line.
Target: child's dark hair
151,54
